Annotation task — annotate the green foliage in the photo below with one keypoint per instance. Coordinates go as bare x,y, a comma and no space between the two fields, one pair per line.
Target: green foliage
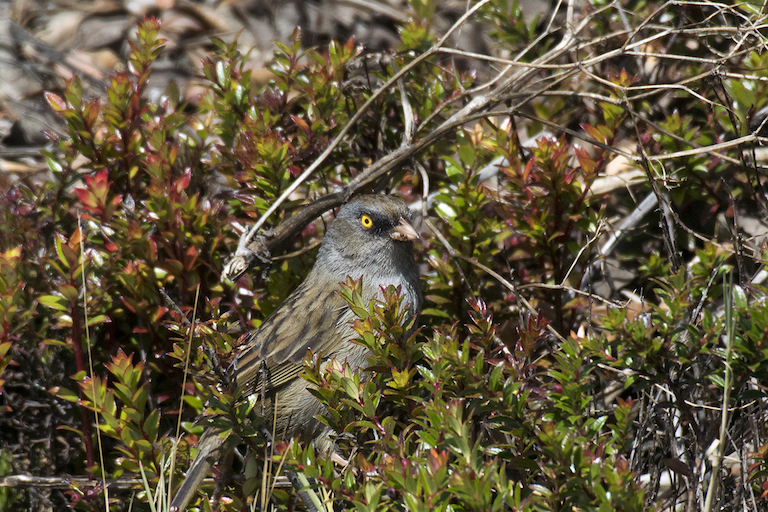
528,383
13,310
8,496
461,424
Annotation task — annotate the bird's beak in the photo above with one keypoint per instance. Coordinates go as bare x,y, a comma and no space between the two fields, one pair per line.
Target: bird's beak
404,232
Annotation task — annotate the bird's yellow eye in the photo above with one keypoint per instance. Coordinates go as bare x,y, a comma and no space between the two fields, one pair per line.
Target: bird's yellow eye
366,221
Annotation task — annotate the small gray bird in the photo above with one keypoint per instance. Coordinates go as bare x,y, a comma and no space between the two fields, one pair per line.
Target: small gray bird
370,238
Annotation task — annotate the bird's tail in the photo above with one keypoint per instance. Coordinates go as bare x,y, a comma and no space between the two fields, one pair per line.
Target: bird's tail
209,451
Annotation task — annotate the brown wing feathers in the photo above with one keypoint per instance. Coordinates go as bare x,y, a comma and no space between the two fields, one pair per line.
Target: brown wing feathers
283,345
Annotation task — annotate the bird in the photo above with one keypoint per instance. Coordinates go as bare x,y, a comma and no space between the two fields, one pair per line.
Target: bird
370,238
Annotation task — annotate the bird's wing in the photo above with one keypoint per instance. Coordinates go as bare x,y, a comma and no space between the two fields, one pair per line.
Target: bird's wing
276,350
298,324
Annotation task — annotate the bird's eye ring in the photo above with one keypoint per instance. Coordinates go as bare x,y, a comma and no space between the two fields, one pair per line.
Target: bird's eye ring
366,221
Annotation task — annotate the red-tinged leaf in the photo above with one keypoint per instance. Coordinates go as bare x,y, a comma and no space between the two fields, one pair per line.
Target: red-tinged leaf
592,132
98,319
527,171
87,199
569,176
363,465
98,182
90,112
303,126
624,78
159,313
70,255
130,304
190,258
11,256
56,102
585,161
119,363
349,46
182,183
75,239
437,459
173,154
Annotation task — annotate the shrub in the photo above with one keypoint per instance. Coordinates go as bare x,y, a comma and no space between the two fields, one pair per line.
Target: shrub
569,355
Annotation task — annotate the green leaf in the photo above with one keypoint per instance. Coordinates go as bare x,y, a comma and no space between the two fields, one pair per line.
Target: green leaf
64,394
53,302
